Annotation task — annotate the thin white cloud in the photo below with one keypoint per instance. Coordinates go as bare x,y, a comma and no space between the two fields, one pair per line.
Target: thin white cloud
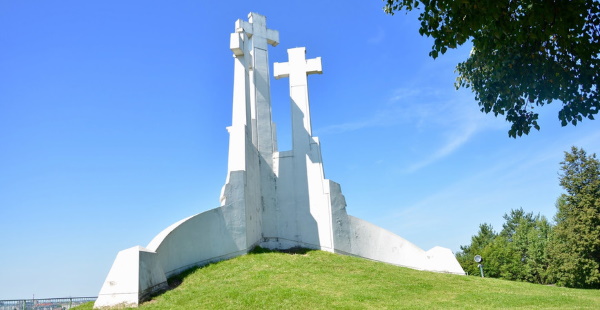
385,117
403,106
450,146
510,170
457,119
400,94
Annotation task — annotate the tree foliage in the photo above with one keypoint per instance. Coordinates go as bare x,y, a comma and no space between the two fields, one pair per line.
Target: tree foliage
575,246
525,53
529,248
516,253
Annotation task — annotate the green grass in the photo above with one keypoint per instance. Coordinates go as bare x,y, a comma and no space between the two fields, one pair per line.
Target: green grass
321,280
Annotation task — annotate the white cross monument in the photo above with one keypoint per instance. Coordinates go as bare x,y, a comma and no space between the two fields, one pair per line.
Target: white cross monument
272,199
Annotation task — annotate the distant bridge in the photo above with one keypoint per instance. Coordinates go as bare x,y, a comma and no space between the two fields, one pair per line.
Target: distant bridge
44,303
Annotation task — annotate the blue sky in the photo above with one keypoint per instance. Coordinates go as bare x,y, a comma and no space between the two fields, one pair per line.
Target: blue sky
113,116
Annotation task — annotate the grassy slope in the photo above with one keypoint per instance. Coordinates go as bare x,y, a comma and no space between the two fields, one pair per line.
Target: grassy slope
323,280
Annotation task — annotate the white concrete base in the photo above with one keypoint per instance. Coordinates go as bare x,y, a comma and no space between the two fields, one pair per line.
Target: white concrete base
135,275
138,273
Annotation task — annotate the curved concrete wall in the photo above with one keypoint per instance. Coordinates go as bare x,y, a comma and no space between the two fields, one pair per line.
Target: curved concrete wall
195,241
353,236
139,272
375,243
215,235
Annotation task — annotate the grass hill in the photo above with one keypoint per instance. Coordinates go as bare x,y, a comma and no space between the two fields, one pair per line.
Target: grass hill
320,280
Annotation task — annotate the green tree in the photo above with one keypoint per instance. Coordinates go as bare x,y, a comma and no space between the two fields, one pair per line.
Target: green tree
518,252
525,53
536,260
499,259
575,245
515,219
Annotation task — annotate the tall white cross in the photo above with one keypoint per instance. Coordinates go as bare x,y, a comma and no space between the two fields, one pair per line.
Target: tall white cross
252,124
251,98
297,69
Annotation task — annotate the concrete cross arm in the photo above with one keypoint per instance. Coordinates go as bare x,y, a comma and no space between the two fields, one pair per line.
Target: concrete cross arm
242,26
236,43
272,37
298,64
314,66
281,70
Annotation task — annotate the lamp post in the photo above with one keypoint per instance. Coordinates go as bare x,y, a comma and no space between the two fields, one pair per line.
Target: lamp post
478,259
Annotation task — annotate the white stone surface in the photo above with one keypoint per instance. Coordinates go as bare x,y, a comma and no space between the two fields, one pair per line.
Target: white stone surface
135,274
304,213
443,260
276,199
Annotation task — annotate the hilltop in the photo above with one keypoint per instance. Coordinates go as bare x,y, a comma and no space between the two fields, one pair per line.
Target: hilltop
309,279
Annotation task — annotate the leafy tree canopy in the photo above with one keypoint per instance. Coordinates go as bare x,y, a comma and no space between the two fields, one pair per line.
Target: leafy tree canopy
518,252
575,246
514,219
525,53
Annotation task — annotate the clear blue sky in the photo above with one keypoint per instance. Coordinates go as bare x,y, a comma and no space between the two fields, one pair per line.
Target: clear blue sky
113,116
